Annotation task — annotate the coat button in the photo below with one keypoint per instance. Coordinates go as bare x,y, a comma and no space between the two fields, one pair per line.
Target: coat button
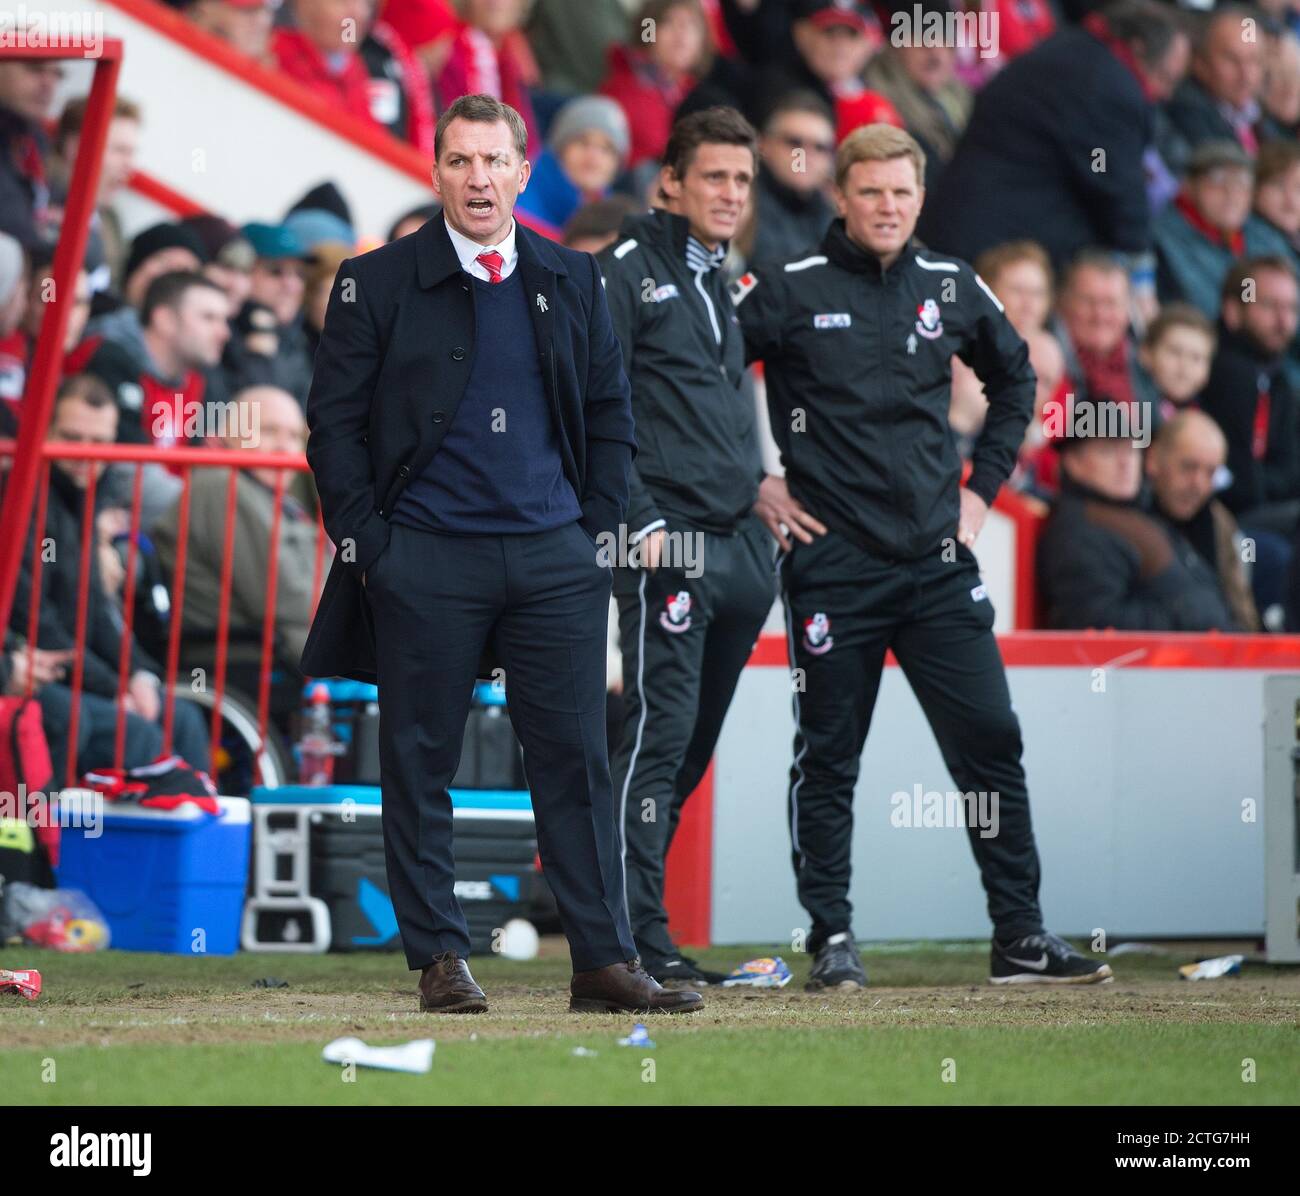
405,470
438,417
458,354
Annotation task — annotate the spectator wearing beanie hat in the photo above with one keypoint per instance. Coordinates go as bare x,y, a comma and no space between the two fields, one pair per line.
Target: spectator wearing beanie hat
586,149
277,282
230,256
158,250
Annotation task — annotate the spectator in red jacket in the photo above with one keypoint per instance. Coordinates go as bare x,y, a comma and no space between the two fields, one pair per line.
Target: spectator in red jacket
667,52
490,55
358,65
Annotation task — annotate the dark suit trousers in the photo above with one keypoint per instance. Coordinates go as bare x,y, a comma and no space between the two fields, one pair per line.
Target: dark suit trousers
542,601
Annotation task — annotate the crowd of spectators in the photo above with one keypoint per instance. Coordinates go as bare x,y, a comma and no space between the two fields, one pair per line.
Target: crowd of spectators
1126,179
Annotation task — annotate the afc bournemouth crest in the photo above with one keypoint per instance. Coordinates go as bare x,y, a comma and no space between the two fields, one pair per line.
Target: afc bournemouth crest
676,615
929,320
817,634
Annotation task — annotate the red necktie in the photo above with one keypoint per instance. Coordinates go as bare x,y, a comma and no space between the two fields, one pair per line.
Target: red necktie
492,262
1263,412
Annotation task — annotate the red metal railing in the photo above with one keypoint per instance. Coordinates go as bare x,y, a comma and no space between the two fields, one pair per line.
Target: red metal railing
38,398
184,459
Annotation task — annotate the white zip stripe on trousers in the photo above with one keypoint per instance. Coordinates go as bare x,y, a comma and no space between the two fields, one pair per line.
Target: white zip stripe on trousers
794,701
640,731
713,318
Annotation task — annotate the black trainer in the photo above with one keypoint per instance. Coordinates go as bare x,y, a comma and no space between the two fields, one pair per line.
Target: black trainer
681,972
1044,959
837,965
706,975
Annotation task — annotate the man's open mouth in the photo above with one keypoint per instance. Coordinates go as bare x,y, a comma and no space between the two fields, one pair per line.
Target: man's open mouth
480,206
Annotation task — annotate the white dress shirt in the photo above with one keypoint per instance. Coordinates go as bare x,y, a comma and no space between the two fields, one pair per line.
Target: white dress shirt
468,252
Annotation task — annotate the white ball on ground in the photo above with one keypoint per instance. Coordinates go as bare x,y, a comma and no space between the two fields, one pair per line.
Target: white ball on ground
519,939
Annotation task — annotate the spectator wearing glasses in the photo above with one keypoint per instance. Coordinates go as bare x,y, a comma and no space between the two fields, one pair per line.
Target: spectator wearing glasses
796,161
1209,226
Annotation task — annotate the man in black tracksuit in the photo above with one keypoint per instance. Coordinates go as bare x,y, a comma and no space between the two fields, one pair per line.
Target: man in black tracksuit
697,583
857,341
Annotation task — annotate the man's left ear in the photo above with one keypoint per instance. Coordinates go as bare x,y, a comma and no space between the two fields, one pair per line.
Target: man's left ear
525,173
841,207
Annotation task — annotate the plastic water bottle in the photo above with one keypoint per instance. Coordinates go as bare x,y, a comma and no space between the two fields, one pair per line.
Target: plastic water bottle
317,748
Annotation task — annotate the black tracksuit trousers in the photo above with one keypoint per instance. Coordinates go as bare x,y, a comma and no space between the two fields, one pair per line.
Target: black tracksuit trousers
684,641
844,608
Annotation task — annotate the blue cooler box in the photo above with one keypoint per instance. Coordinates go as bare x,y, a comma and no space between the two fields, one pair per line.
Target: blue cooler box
158,876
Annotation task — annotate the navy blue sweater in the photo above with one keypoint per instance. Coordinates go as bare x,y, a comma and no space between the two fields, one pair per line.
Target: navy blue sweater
499,469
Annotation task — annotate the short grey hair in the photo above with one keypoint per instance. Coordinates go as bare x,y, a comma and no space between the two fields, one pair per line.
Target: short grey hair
484,110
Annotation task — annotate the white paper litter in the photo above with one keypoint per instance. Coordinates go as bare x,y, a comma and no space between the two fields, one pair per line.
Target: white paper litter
415,1057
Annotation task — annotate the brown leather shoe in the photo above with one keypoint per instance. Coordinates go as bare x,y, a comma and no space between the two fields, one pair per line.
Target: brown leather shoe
627,988
447,987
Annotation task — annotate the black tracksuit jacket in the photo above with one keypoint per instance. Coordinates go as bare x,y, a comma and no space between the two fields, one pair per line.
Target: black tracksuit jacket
697,449
857,363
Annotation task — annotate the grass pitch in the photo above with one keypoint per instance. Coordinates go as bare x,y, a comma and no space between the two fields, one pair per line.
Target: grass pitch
126,1028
